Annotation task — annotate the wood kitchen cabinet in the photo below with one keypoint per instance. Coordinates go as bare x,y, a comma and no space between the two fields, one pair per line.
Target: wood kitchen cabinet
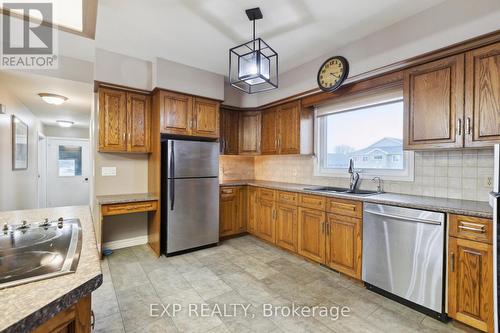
289,128
343,244
266,220
229,132
74,319
249,133
470,272
269,132
124,121
311,234
433,102
185,115
286,226
231,214
252,209
482,96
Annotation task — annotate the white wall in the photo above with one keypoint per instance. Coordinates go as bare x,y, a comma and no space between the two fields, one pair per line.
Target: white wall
178,77
18,189
451,22
66,132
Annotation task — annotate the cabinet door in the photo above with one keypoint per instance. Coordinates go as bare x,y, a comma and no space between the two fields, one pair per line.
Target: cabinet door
482,98
252,209
176,113
112,120
470,283
228,211
229,132
205,118
343,244
311,234
249,143
286,227
269,132
265,226
434,104
139,120
289,128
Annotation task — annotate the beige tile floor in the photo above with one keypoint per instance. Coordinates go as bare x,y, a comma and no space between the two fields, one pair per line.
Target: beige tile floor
241,271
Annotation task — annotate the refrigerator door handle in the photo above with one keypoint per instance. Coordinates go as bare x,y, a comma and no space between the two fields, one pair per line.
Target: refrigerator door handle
172,175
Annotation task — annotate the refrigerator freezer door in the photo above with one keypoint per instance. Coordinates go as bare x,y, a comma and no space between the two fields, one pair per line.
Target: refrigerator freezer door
192,159
192,213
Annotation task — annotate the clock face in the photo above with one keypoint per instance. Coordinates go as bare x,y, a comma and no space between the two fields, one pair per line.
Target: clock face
332,73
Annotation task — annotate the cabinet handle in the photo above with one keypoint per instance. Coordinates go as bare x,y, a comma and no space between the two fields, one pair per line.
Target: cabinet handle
452,261
328,228
468,126
481,229
129,137
124,137
459,126
323,227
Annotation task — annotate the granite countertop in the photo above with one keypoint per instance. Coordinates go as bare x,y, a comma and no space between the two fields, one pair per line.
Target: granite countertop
26,306
455,206
125,198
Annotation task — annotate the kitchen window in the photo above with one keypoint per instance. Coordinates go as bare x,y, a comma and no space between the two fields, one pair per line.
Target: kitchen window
367,129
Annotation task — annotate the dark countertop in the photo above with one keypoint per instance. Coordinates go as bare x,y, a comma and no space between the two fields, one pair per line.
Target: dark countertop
125,198
455,206
25,307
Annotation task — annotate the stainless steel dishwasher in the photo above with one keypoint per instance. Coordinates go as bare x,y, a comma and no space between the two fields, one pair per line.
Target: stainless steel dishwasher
403,256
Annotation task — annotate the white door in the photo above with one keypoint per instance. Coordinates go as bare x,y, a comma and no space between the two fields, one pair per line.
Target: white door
67,172
42,171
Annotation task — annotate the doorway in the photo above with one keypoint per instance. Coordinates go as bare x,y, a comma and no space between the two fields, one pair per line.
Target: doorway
67,172
42,171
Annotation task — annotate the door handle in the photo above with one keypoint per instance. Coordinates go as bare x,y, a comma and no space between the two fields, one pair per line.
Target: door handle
172,175
468,126
452,262
459,126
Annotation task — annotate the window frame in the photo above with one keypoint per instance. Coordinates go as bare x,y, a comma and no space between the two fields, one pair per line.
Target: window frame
407,174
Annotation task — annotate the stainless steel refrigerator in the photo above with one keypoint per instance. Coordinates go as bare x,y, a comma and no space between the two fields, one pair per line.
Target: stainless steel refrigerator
495,203
190,195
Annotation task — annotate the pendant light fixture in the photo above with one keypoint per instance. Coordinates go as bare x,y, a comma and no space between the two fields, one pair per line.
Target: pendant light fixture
253,66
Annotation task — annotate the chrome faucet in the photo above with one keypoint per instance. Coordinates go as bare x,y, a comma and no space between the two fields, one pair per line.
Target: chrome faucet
353,182
379,186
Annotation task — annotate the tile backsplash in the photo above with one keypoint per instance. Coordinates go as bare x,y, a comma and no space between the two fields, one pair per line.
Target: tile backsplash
461,174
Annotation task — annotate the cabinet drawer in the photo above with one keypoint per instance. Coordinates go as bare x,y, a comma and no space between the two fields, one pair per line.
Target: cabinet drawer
473,228
267,194
345,207
312,201
287,198
127,208
228,190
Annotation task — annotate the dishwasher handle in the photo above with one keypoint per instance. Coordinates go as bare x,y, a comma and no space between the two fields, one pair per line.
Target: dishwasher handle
404,218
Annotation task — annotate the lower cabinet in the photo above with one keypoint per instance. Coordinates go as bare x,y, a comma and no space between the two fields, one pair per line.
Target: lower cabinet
252,209
266,220
343,244
286,227
470,283
231,219
75,319
311,234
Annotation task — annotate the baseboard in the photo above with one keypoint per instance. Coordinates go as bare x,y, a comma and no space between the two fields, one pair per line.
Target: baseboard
128,242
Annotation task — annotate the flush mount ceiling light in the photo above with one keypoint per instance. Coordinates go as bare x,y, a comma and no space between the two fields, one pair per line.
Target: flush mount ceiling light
253,66
53,98
65,123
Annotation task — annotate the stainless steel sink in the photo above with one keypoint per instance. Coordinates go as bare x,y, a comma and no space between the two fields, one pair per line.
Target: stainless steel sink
330,189
38,251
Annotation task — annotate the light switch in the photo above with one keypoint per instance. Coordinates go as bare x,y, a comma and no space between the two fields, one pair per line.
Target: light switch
108,171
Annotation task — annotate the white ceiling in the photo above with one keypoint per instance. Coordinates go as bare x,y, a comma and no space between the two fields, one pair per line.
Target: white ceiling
199,33
26,88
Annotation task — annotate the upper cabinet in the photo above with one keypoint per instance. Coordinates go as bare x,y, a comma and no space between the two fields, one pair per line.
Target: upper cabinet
229,121
124,121
454,102
482,102
186,115
287,129
433,101
249,133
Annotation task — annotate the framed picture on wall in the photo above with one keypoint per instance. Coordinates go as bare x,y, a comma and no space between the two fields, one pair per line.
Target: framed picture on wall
19,144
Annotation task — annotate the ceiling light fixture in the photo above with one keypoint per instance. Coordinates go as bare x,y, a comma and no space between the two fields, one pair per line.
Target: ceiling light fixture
65,123
253,66
53,98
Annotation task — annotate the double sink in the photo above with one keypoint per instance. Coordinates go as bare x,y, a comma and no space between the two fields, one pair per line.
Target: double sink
341,190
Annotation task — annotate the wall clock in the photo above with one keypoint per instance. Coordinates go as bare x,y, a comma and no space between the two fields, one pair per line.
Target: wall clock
333,73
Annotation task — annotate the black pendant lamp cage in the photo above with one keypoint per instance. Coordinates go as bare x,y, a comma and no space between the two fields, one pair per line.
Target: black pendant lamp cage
253,66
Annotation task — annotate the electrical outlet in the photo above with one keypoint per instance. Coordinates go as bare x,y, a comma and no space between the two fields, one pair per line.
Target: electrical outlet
488,182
